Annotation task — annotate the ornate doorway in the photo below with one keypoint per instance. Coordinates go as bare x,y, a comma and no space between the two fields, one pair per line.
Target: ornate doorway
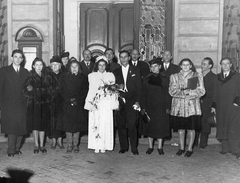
104,25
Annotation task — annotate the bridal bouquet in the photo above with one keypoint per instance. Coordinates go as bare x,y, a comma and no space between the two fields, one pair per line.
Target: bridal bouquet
108,89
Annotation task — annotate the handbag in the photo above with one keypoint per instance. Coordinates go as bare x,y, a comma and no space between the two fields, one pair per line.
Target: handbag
145,117
212,120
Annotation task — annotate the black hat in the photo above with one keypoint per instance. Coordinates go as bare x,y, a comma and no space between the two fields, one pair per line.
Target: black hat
64,54
155,61
55,59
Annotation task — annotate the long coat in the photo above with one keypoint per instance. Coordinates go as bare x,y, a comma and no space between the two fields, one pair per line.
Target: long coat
73,88
228,115
13,103
56,105
38,101
185,105
154,101
207,100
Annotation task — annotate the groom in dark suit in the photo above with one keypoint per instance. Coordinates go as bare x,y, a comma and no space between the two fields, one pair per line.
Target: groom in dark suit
12,102
129,80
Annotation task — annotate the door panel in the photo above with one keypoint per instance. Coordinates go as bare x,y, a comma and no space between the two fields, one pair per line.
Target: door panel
124,19
106,25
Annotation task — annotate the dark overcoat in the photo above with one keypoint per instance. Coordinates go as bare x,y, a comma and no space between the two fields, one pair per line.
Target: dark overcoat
56,105
85,70
38,101
154,100
206,100
13,103
143,67
228,115
73,118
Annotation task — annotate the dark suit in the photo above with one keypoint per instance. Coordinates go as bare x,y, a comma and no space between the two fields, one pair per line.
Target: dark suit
207,100
85,70
13,106
172,69
126,117
143,67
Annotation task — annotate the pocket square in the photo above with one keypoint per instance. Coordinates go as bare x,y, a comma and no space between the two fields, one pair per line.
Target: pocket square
133,75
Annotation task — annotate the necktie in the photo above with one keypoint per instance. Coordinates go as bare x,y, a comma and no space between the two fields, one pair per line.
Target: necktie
88,65
165,67
17,70
225,75
135,64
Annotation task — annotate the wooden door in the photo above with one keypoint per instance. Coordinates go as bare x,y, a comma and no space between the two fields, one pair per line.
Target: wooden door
106,25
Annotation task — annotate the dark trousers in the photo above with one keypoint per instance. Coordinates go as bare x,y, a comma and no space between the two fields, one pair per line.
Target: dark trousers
203,140
126,124
14,143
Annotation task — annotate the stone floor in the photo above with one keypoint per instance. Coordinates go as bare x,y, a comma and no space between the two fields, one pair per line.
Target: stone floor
87,167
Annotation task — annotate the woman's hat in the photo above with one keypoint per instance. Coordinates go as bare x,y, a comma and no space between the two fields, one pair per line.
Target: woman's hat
155,61
64,54
101,58
55,59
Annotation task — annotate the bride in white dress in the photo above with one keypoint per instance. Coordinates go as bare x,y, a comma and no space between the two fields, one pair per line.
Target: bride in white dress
101,100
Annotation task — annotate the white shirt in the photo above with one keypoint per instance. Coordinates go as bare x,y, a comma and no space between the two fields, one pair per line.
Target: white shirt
166,65
87,63
134,63
225,74
16,68
125,73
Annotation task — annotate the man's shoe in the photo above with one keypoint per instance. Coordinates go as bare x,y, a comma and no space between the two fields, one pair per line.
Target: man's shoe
122,151
18,152
10,155
135,152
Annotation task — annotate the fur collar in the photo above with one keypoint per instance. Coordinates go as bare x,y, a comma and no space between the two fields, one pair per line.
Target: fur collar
225,80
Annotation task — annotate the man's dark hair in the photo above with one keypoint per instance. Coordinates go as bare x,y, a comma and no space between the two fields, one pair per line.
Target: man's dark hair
109,49
210,61
124,51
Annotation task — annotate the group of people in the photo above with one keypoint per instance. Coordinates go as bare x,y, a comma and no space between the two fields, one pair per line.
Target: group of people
95,95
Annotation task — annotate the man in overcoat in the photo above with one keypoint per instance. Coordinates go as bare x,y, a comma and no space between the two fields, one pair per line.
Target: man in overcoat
227,108
13,103
129,80
206,101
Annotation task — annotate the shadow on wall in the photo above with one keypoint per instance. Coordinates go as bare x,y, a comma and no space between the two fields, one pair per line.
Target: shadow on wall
17,176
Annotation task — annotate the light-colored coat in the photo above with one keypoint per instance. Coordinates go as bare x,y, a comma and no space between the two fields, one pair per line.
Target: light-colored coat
185,105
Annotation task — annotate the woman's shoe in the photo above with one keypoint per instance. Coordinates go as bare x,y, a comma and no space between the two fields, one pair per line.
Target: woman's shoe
180,152
60,145
160,151
188,154
36,150
53,146
43,149
76,149
69,149
102,151
96,150
149,151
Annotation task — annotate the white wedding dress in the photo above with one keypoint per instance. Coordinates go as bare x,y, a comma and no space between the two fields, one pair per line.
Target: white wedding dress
100,123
